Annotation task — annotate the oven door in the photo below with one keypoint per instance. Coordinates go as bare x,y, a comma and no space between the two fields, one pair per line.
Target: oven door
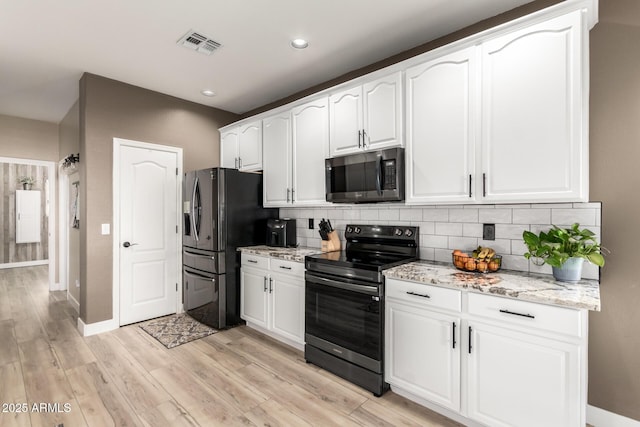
343,317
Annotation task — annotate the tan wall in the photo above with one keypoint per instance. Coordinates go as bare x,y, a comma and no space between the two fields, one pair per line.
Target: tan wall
614,340
111,109
28,139
69,137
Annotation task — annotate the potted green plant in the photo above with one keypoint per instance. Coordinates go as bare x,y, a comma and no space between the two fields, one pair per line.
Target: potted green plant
26,181
565,250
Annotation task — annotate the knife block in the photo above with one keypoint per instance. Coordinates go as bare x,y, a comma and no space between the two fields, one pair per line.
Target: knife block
333,244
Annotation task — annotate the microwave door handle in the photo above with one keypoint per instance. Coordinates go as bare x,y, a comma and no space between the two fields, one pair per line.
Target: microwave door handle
379,175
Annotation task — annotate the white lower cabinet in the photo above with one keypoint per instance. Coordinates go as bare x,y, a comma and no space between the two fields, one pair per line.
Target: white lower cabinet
518,379
425,353
272,297
485,360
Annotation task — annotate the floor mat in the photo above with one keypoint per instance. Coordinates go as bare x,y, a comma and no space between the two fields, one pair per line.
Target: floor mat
177,329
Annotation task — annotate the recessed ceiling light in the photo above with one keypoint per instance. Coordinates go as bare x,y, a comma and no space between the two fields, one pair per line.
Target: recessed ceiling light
208,92
299,43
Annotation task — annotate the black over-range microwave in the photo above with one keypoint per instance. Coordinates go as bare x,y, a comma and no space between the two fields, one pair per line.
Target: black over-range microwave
376,176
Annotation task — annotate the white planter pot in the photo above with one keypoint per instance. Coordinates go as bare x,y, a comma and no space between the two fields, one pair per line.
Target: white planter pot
571,270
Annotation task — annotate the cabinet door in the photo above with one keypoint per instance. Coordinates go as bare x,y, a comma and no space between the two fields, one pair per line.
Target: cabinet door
383,112
28,216
440,131
250,146
345,122
254,296
534,140
423,353
229,148
522,380
276,143
310,149
287,306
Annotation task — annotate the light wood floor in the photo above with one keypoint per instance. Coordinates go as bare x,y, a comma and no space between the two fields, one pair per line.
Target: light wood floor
127,378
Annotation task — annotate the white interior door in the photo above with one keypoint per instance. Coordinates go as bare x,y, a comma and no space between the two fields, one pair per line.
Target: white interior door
148,233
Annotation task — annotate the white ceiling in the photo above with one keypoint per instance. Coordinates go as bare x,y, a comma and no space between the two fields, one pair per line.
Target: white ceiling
45,45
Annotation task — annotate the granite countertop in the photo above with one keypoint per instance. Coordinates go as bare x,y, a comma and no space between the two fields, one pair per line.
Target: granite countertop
289,254
512,284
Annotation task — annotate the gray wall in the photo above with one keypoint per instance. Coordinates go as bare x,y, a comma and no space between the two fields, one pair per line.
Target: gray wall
614,340
111,109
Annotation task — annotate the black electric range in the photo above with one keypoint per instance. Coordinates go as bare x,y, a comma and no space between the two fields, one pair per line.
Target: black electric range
344,302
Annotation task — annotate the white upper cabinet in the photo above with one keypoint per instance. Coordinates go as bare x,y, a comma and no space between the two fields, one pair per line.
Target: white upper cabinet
276,142
440,133
366,117
229,148
250,146
502,121
310,133
534,110
241,147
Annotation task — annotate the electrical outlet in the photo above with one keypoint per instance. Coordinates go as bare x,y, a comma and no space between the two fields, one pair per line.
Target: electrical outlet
488,231
77,283
311,227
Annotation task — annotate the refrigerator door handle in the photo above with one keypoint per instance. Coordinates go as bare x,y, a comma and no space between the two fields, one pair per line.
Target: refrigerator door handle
195,223
188,273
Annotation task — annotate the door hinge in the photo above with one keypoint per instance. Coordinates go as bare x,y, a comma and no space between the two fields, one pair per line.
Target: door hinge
176,287
176,229
176,171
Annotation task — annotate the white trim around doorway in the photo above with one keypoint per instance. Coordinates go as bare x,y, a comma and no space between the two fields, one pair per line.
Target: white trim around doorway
50,192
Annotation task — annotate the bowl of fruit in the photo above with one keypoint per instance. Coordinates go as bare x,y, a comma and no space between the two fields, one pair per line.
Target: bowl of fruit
481,260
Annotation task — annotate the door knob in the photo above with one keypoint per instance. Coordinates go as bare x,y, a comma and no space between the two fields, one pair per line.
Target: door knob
127,244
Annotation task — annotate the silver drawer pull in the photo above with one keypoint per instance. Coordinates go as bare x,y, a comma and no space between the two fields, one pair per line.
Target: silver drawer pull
530,316
418,295
285,268
252,261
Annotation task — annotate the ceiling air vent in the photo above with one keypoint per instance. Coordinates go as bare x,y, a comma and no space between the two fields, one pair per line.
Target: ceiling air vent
199,42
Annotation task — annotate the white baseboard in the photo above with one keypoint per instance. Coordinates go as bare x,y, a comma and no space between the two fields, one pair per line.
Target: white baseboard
57,287
600,418
97,327
74,303
24,264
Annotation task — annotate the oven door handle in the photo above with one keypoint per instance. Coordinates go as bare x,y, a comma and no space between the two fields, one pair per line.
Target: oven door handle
361,289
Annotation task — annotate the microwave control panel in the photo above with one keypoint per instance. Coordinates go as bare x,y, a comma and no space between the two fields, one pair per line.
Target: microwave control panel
389,175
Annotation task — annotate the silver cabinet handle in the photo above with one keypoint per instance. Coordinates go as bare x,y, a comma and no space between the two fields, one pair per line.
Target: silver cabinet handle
265,284
359,138
235,162
253,261
270,285
293,192
239,162
364,134
288,195
285,268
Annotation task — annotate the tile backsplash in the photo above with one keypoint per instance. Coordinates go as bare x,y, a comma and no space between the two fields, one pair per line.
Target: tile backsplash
444,228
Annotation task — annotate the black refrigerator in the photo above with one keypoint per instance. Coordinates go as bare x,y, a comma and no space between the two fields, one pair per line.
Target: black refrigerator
222,210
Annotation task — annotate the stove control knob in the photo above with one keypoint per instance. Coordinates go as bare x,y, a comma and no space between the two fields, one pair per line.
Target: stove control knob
357,230
349,229
408,232
397,232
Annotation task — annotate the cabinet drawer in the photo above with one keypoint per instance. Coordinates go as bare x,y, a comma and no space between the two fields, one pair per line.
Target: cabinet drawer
527,314
255,261
420,293
287,267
